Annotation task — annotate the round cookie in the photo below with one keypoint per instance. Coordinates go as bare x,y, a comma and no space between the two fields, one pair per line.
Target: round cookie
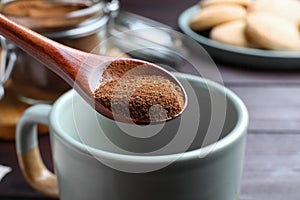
213,15
272,32
289,9
232,33
205,3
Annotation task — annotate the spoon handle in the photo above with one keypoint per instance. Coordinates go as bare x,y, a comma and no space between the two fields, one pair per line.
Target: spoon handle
61,59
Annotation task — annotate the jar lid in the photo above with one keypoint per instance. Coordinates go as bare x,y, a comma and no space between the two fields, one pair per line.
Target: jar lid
58,18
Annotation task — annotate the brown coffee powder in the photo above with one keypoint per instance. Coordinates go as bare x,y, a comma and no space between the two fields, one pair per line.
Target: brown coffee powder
40,9
41,15
139,93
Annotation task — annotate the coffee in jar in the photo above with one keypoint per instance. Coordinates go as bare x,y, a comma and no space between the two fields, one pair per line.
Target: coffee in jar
75,23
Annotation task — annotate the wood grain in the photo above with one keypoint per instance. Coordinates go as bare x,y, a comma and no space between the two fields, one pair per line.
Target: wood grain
36,173
13,185
272,109
10,111
272,167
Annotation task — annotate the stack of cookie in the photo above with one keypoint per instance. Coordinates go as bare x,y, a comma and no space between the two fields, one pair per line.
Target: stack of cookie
265,24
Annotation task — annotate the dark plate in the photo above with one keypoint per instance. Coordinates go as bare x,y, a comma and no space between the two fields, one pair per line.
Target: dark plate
240,56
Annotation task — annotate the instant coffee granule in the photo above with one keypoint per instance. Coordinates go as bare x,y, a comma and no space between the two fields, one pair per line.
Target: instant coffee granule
40,9
139,94
44,16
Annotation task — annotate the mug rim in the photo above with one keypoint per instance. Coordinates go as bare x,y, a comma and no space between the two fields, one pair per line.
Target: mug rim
240,128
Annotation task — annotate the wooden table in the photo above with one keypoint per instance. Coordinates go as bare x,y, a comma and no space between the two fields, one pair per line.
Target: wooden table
272,160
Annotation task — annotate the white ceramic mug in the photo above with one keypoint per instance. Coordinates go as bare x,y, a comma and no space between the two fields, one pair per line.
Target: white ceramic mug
97,158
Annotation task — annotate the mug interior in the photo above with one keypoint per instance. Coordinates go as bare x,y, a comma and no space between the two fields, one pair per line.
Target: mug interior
213,113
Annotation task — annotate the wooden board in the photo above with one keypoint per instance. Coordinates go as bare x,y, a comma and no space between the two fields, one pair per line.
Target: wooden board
10,111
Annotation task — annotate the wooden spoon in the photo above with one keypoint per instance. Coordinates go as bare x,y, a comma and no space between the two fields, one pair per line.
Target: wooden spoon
81,70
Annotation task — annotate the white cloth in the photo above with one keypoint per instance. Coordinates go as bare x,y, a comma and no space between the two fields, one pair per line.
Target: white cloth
4,170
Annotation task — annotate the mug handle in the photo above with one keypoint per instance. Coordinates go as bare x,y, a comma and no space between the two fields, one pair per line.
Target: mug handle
30,161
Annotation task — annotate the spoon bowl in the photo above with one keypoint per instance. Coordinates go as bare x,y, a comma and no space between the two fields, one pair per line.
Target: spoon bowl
83,71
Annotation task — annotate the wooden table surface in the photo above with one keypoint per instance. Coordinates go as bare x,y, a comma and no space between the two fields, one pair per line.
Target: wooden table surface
272,160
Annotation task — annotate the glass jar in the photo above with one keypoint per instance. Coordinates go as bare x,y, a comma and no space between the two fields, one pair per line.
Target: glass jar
80,24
